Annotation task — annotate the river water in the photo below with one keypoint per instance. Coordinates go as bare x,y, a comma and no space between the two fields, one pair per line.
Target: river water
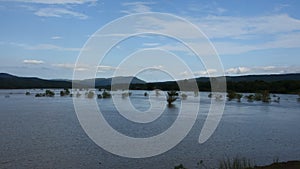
45,133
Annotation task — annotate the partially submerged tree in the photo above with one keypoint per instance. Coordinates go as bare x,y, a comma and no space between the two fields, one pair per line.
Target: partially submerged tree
126,94
184,96
239,97
145,94
233,95
265,96
172,96
196,93
106,94
49,93
90,94
65,92
250,98
78,94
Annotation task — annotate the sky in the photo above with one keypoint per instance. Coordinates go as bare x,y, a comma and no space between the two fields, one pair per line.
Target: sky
44,38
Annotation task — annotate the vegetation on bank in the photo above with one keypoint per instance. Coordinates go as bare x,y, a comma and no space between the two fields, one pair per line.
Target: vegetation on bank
244,163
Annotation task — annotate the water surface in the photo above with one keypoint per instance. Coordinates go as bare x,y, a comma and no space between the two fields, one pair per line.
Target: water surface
45,133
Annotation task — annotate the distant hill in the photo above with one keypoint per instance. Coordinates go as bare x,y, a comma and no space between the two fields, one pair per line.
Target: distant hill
249,78
279,83
8,81
105,82
266,78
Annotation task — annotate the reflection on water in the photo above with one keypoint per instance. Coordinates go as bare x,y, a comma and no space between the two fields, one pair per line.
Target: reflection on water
45,133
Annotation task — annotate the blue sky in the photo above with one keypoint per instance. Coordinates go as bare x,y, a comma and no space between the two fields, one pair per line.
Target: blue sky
43,38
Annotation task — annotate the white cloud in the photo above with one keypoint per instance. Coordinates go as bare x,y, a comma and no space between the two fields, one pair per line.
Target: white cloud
44,47
236,27
28,7
287,40
71,66
150,44
55,1
59,12
34,62
211,8
281,7
232,35
84,67
137,7
238,70
205,72
56,37
263,70
103,68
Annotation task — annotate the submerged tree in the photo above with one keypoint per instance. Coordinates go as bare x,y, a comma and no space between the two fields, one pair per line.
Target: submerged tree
65,92
99,96
172,96
90,94
145,94
239,97
184,96
265,96
126,94
250,98
78,94
49,93
106,94
233,95
196,93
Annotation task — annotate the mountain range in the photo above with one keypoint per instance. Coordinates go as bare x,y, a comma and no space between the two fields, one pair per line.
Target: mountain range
8,81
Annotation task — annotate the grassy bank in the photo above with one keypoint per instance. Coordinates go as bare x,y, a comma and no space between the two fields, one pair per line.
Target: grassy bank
243,163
